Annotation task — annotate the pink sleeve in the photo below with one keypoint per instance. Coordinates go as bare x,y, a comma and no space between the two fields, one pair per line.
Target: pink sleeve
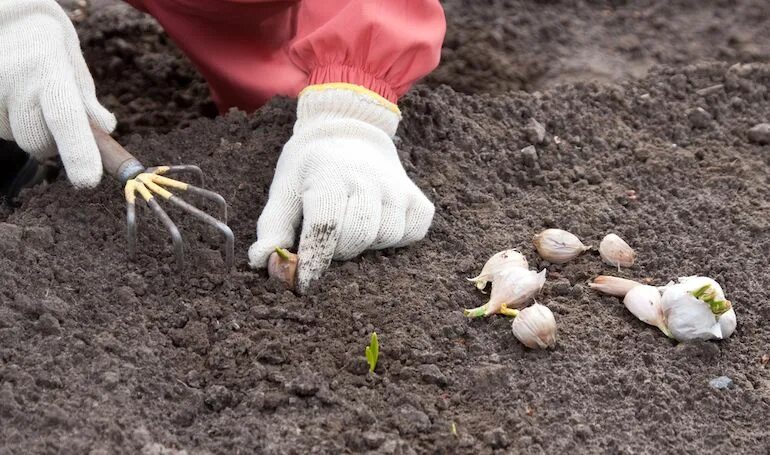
137,4
383,45
251,50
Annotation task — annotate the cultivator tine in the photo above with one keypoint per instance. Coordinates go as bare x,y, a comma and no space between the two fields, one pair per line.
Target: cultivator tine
210,220
212,196
131,222
176,236
149,185
146,190
151,182
178,169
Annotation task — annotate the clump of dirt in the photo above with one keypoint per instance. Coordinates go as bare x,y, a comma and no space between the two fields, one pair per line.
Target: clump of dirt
99,354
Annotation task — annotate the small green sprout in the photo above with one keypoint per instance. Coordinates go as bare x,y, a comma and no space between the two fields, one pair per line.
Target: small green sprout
454,429
708,295
372,352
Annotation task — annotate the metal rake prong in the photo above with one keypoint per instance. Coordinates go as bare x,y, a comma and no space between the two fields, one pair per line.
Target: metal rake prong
131,222
212,196
220,226
178,169
176,236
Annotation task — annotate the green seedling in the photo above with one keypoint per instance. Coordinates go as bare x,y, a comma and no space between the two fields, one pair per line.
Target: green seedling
454,429
372,352
709,295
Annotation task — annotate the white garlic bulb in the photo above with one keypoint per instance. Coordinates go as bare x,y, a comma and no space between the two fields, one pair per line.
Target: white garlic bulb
612,285
695,308
644,302
511,289
500,262
616,252
558,246
535,327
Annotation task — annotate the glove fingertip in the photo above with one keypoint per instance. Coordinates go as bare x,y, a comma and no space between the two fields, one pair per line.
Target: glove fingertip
258,254
104,118
306,276
84,178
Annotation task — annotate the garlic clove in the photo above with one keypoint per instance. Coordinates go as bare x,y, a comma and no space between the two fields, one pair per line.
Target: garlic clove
612,285
644,302
694,309
517,287
616,252
283,265
498,263
558,246
513,289
727,323
535,327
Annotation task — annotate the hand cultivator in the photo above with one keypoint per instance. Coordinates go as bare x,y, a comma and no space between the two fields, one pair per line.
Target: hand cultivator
152,183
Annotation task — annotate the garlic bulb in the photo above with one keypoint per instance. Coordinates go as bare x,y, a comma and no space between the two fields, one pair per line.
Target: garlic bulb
535,327
612,285
283,265
498,263
616,252
644,302
558,246
513,289
696,309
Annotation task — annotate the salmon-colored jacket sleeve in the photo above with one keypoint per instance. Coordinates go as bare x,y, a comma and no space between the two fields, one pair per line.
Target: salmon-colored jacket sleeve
251,50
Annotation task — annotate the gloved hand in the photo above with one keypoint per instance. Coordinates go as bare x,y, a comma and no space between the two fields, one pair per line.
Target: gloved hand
340,174
47,95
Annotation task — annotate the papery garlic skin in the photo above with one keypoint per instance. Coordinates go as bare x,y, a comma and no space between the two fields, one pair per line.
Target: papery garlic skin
644,302
535,327
498,263
690,318
612,285
727,323
558,246
514,289
616,252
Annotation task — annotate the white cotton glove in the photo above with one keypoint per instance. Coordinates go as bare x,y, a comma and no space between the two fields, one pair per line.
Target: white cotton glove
47,95
340,175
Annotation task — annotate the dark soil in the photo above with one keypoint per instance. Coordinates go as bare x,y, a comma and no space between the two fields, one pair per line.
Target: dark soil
141,76
494,46
101,355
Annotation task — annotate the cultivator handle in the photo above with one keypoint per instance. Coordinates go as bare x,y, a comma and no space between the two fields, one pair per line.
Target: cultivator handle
115,159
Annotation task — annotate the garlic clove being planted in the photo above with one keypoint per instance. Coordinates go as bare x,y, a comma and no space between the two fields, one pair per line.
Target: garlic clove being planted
558,246
612,285
616,252
498,263
695,308
644,302
283,265
535,327
513,289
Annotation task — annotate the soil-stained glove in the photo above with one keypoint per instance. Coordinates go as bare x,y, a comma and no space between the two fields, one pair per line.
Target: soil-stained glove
47,95
340,175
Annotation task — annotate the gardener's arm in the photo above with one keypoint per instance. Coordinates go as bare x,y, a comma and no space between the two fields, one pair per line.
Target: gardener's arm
47,95
339,174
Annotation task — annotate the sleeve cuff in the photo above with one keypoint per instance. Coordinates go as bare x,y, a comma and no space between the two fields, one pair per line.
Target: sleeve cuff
352,75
